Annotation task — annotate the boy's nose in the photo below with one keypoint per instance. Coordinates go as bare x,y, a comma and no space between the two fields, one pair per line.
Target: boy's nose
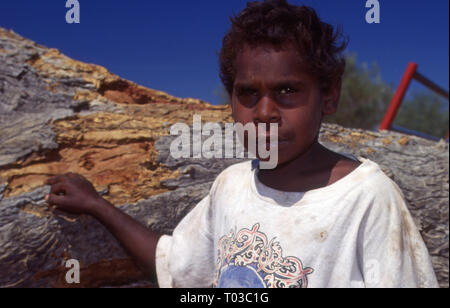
266,111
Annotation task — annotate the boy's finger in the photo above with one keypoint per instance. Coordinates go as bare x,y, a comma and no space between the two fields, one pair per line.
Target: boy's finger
58,188
54,199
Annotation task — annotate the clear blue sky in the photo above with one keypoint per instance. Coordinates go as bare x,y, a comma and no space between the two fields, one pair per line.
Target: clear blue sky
172,45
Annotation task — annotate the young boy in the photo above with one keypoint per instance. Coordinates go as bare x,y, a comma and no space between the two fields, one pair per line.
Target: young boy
319,219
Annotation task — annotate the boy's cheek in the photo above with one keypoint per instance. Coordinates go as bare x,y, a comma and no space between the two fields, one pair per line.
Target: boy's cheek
242,117
240,114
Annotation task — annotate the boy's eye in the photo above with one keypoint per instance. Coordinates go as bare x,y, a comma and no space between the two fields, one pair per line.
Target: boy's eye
287,90
247,96
247,92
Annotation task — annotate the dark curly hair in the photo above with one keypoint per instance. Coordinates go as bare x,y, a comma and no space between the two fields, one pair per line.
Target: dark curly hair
275,23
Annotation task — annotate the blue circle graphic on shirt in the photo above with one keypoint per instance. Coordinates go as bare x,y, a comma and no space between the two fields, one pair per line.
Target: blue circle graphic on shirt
240,277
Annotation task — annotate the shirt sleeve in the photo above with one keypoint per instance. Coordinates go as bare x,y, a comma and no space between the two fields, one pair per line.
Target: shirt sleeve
393,253
186,259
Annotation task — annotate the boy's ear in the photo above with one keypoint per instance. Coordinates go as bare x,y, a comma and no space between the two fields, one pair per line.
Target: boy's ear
331,99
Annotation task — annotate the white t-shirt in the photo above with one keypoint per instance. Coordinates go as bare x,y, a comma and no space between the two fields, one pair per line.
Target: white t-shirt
356,232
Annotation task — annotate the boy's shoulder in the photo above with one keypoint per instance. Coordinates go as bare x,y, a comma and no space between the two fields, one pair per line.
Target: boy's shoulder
362,176
235,174
238,170
344,167
374,181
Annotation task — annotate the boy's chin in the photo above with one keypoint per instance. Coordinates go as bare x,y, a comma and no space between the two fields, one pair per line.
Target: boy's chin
282,160
270,163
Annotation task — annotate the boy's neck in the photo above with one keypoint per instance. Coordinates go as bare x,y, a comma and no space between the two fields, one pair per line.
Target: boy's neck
315,168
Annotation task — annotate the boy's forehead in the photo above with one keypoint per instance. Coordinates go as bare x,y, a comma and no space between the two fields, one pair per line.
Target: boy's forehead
269,62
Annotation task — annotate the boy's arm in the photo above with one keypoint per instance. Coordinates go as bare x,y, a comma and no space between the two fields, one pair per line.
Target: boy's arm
80,197
393,253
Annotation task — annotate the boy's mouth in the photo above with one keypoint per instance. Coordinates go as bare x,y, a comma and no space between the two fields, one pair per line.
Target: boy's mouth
267,135
275,144
271,140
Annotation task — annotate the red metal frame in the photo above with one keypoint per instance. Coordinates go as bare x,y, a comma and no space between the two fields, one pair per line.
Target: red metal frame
398,97
410,74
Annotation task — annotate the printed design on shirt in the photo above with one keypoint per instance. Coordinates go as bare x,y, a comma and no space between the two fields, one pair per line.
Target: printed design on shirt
248,259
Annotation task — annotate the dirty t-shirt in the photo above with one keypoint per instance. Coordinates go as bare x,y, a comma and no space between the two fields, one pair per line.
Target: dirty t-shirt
356,232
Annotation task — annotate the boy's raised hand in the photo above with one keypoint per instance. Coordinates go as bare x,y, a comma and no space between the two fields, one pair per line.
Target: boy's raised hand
72,193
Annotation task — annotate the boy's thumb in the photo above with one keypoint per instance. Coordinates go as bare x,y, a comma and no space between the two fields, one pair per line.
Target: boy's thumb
53,199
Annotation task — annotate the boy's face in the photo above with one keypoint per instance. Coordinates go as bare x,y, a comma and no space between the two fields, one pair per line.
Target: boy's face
272,86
